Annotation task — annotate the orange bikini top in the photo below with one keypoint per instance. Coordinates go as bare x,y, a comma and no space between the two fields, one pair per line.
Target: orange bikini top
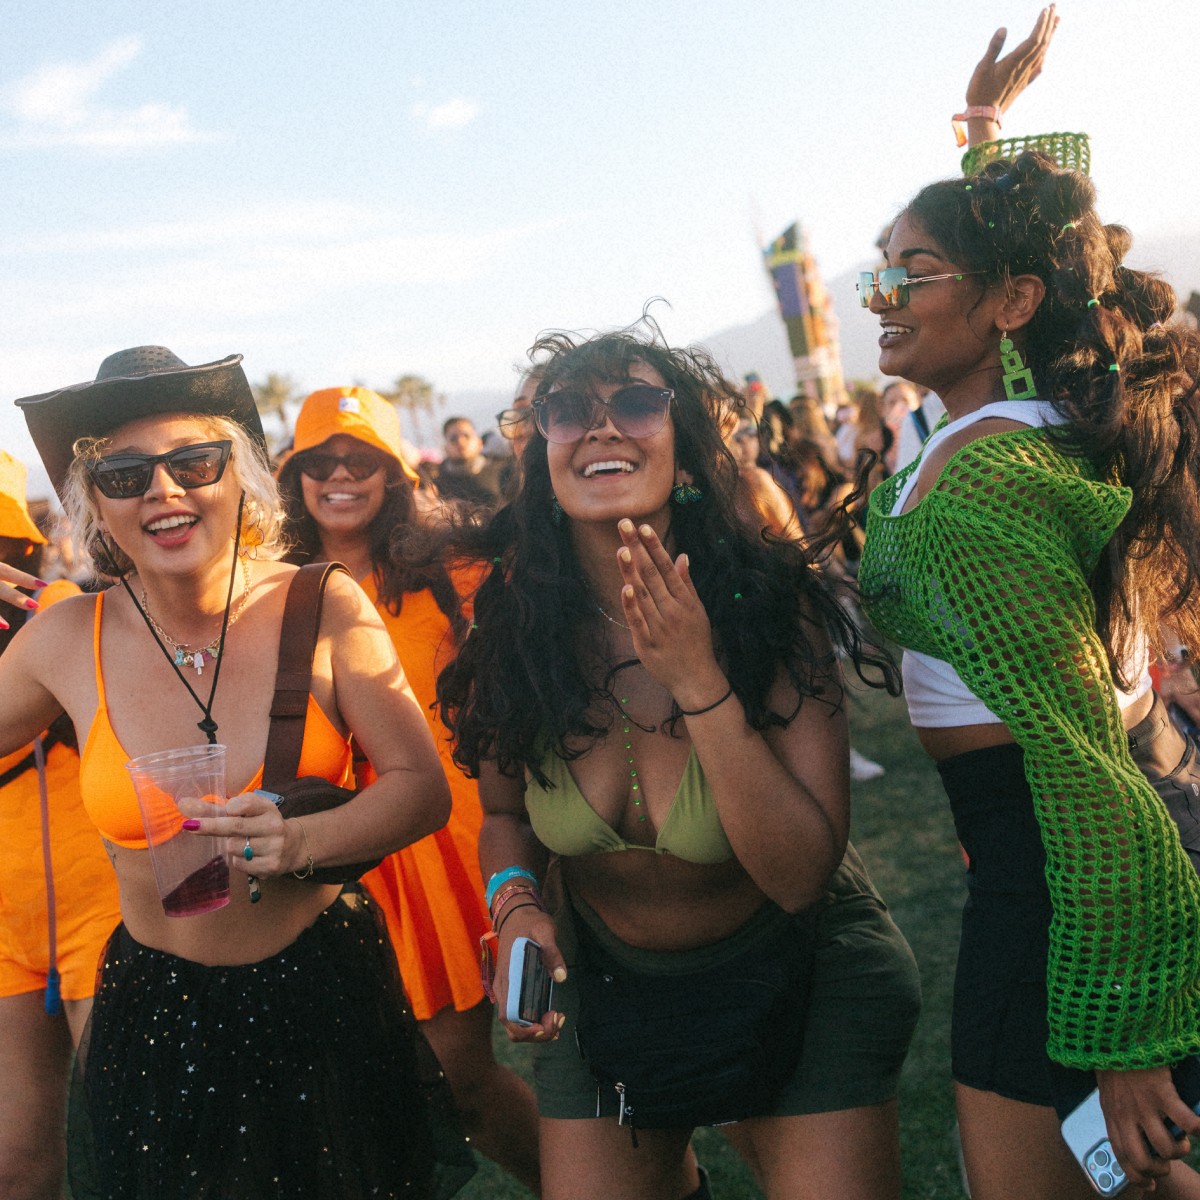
107,789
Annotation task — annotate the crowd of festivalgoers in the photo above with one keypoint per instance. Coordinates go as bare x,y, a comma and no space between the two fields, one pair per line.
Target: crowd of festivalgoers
570,708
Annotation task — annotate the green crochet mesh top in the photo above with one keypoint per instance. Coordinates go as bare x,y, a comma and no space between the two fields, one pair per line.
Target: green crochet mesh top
988,572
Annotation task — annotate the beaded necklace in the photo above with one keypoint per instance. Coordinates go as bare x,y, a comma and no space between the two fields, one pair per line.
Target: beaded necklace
607,617
184,656
635,787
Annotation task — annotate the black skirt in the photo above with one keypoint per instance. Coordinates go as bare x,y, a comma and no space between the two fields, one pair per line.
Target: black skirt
299,1076
999,1026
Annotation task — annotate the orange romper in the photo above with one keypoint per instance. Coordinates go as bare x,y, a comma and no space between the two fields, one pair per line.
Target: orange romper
85,888
108,793
432,892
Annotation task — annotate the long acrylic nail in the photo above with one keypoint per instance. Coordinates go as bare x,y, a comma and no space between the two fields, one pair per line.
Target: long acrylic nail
191,824
4,624
40,583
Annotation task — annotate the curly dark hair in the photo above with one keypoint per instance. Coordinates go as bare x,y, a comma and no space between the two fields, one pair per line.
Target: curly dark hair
534,676
1102,351
394,576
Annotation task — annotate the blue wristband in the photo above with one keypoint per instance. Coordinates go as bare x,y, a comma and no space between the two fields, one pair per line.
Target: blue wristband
500,878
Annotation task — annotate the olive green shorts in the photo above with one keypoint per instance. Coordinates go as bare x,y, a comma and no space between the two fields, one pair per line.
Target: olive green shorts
863,1004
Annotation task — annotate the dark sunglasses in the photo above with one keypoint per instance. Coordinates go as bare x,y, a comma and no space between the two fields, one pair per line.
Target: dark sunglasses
126,476
638,410
359,464
892,283
512,420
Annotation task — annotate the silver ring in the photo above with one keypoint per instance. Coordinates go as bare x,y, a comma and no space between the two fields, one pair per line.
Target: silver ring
248,852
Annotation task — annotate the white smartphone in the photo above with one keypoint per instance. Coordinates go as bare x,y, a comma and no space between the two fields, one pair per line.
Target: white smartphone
530,988
1086,1135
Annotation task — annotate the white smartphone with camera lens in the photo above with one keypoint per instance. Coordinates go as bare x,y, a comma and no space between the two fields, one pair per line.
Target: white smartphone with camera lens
530,988
1086,1134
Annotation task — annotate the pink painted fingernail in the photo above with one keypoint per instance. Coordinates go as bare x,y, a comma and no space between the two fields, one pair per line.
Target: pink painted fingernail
191,824
40,583
4,624
30,603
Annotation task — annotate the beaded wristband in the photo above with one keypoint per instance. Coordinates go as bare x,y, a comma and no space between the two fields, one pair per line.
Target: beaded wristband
507,893
493,884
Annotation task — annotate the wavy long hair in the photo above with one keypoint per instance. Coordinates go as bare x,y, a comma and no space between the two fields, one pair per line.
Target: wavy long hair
1103,351
395,575
533,676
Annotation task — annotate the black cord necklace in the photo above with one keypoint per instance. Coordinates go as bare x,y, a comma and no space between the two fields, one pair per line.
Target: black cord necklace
207,725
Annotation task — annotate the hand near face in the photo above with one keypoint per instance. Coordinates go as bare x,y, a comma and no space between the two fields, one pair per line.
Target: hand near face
1000,81
671,632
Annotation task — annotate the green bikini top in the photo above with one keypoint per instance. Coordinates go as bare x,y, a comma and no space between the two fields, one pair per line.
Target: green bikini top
566,823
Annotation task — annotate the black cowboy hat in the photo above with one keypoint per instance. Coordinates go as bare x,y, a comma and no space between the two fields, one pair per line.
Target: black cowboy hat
131,384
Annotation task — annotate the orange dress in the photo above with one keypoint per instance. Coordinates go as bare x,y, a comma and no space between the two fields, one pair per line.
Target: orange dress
85,887
431,892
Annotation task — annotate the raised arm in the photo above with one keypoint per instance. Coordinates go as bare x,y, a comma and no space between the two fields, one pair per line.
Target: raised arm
996,82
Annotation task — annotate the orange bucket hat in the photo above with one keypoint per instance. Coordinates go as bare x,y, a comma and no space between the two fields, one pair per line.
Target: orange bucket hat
357,412
15,521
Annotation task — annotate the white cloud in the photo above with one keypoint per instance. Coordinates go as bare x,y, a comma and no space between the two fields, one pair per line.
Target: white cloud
252,263
57,105
453,114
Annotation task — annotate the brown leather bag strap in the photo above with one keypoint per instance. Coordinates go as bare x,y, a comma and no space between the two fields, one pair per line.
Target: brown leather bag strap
293,676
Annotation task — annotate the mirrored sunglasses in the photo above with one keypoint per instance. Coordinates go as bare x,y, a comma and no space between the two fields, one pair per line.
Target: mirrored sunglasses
638,411
892,283
512,420
126,476
359,464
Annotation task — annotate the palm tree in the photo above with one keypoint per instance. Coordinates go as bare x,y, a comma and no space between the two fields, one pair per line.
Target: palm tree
271,398
414,395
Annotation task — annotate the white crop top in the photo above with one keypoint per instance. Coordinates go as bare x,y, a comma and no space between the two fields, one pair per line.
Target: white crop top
936,695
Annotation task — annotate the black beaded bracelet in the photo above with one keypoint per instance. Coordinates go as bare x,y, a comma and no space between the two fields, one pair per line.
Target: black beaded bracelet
512,908
697,712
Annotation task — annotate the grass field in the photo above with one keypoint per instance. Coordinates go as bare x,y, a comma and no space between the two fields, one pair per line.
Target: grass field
902,829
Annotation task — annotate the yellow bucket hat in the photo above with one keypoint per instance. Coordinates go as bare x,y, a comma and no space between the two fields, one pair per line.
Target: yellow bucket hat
357,412
15,521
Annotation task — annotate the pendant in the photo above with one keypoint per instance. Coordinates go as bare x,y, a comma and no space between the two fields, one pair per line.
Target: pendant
179,656
198,662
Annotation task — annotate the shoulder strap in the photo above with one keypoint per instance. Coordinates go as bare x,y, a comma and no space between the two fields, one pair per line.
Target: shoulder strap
920,423
293,676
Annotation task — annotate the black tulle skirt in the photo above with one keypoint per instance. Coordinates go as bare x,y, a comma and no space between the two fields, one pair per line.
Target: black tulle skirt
302,1075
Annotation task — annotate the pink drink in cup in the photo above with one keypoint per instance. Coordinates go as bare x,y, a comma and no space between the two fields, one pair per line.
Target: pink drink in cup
172,786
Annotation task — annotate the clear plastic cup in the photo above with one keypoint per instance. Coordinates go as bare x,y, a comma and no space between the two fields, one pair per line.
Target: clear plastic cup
190,869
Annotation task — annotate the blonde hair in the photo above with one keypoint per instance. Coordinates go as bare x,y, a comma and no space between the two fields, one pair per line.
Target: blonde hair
261,534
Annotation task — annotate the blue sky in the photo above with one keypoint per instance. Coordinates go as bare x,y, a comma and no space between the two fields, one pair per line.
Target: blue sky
351,192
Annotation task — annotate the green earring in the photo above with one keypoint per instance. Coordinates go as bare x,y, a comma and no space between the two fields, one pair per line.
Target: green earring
556,511
1017,377
686,493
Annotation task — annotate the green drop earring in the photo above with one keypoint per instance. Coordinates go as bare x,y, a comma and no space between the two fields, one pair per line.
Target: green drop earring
686,493
1017,377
